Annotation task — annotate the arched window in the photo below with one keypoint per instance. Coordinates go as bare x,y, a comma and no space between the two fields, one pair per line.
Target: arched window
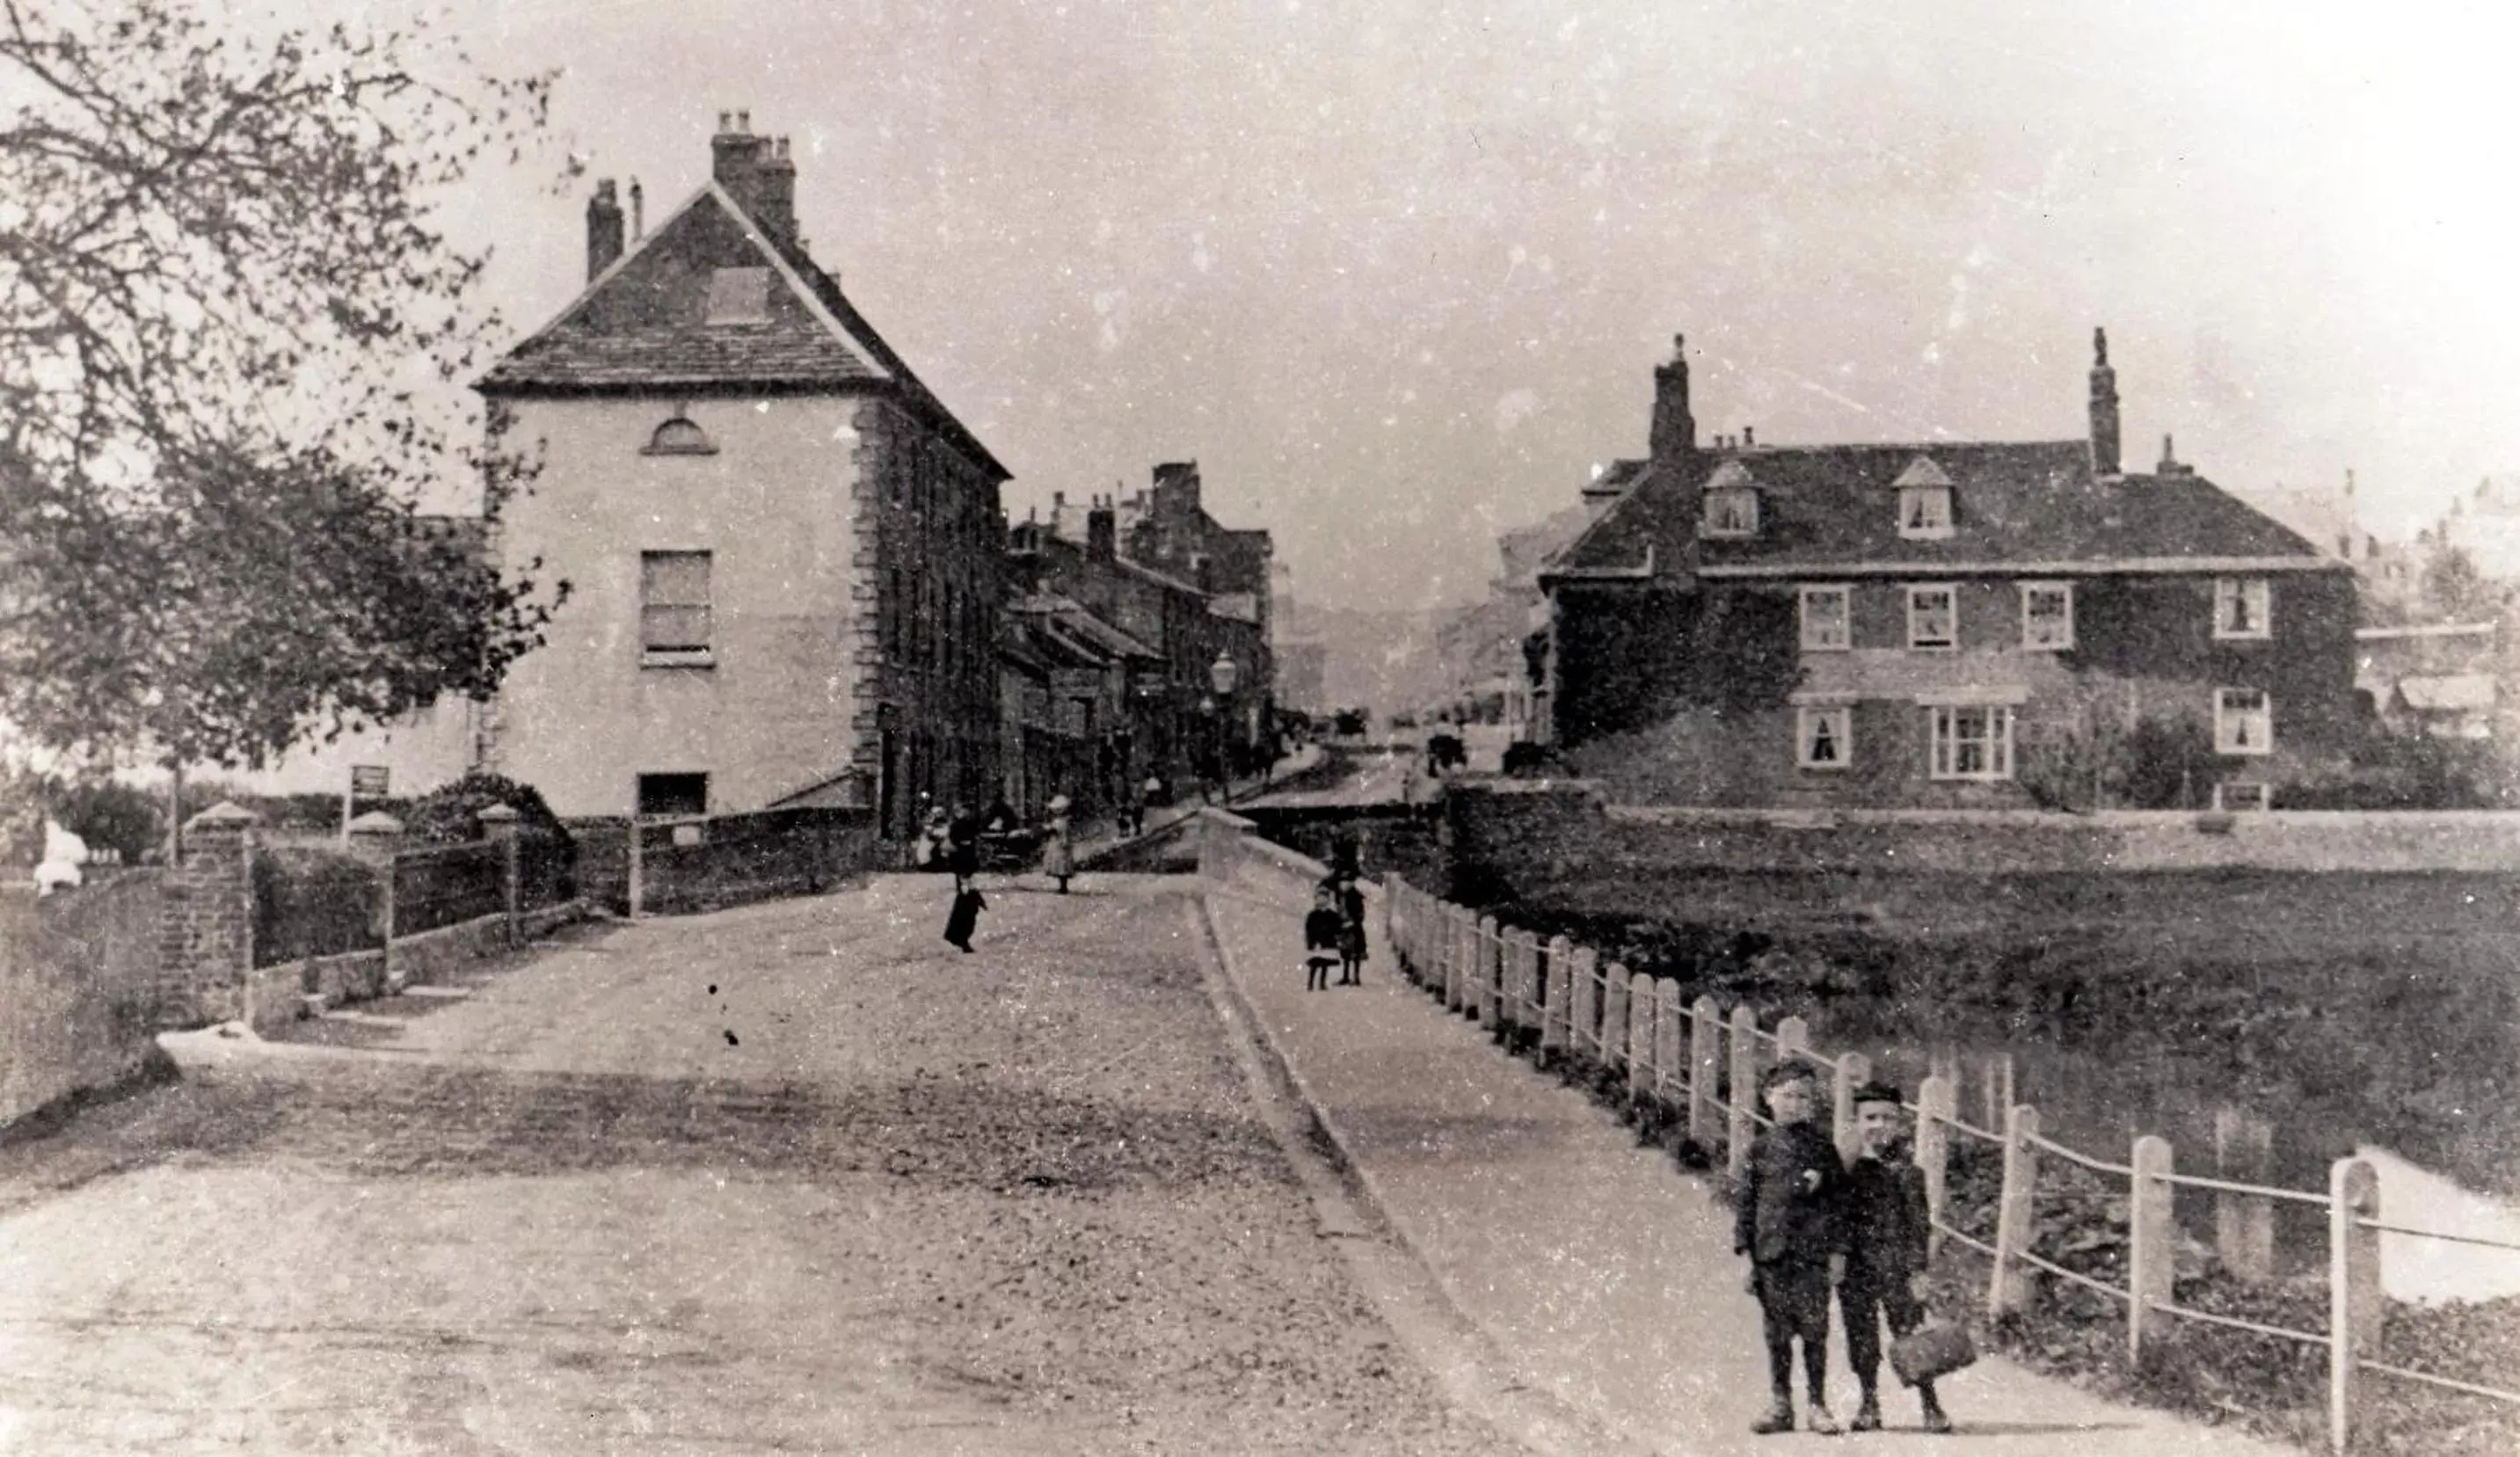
678,435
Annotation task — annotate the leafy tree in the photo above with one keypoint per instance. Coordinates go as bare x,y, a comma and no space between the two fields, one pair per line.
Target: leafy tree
228,329
2457,591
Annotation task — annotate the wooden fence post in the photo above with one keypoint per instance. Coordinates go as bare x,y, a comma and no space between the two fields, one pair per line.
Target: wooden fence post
2008,1288
1584,986
635,851
1642,997
2152,1240
1705,1070
1457,959
1937,1104
1668,1070
1854,1071
2244,1224
2353,1293
1556,1003
1614,1018
1793,1038
1742,1091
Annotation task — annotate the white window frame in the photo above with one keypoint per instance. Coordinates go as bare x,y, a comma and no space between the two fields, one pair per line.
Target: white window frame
678,647
1945,742
1951,594
1712,520
2255,595
2028,641
1939,527
1840,718
1816,642
2230,723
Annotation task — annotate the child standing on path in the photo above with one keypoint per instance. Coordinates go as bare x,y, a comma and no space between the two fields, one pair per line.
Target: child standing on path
1787,1220
1886,1231
1321,939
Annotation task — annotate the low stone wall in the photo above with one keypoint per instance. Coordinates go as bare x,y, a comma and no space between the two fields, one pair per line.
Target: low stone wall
1545,830
79,987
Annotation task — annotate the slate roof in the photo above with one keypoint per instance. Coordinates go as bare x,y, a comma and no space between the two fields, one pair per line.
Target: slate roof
641,327
1836,506
1076,621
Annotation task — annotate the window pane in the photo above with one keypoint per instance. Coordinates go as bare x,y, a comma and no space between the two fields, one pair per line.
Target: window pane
666,629
676,578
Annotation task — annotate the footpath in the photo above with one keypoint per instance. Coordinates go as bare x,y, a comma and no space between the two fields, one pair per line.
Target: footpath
1602,1274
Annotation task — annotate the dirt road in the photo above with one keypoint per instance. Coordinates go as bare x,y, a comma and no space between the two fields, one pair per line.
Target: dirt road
792,1179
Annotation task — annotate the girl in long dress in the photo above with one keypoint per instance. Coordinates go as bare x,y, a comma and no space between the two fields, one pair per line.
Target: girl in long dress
1059,854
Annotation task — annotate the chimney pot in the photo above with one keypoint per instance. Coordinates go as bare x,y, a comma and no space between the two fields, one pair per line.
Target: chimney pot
743,123
725,122
1749,434
638,211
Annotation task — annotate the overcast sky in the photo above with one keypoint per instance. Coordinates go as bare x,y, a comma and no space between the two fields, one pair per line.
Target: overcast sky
1397,274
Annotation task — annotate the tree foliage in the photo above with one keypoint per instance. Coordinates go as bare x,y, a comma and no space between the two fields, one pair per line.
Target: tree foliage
229,326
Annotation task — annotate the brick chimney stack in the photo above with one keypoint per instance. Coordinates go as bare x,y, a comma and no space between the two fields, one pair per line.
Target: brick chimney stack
774,191
2104,408
603,228
1102,535
1674,435
1176,489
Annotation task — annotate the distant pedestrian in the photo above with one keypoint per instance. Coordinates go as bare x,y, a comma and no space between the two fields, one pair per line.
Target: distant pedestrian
1886,1242
927,850
1787,1219
1149,795
1058,852
1350,901
965,917
1321,939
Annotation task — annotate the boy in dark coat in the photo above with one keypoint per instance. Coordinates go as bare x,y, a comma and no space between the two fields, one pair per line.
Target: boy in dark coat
1786,1219
1321,939
1886,1232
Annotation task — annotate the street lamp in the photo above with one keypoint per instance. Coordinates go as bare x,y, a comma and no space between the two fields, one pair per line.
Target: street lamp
1222,674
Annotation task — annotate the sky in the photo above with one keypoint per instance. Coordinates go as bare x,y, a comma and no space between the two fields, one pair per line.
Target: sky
1397,274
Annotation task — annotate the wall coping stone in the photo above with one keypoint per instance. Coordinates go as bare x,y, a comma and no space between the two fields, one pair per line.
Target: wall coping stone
225,816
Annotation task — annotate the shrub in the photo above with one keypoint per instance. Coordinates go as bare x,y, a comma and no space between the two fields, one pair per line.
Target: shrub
451,814
2169,763
1528,759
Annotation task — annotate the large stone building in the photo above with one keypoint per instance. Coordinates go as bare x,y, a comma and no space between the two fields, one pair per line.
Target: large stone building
782,549
1929,624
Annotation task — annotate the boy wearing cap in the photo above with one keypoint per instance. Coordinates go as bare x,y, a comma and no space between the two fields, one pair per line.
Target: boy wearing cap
1886,1234
1786,1219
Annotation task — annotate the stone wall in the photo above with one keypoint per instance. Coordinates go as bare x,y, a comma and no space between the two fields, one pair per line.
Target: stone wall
79,987
1540,831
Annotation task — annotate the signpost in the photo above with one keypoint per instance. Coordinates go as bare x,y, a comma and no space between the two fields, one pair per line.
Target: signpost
367,782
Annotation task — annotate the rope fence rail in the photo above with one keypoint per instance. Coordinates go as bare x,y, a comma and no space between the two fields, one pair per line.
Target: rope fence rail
1625,1025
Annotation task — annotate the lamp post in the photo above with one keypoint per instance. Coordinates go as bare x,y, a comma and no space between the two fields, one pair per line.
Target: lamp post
1222,675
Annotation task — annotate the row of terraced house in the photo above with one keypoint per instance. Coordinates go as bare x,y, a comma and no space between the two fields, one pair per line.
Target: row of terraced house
791,578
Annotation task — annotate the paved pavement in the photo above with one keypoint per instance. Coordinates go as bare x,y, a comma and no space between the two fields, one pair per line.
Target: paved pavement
1605,1275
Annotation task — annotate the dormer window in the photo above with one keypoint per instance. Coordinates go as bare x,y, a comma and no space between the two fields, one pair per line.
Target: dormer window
739,295
678,435
1924,502
1732,503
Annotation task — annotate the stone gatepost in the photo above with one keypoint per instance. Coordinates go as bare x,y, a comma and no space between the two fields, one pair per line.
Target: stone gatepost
499,824
377,838
205,921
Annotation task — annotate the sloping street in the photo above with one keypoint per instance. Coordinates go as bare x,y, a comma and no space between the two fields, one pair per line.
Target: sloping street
791,1178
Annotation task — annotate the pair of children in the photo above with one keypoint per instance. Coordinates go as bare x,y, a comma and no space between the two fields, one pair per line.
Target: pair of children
1335,934
1813,1224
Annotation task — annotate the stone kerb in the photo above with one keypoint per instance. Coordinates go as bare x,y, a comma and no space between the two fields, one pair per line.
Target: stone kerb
205,921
